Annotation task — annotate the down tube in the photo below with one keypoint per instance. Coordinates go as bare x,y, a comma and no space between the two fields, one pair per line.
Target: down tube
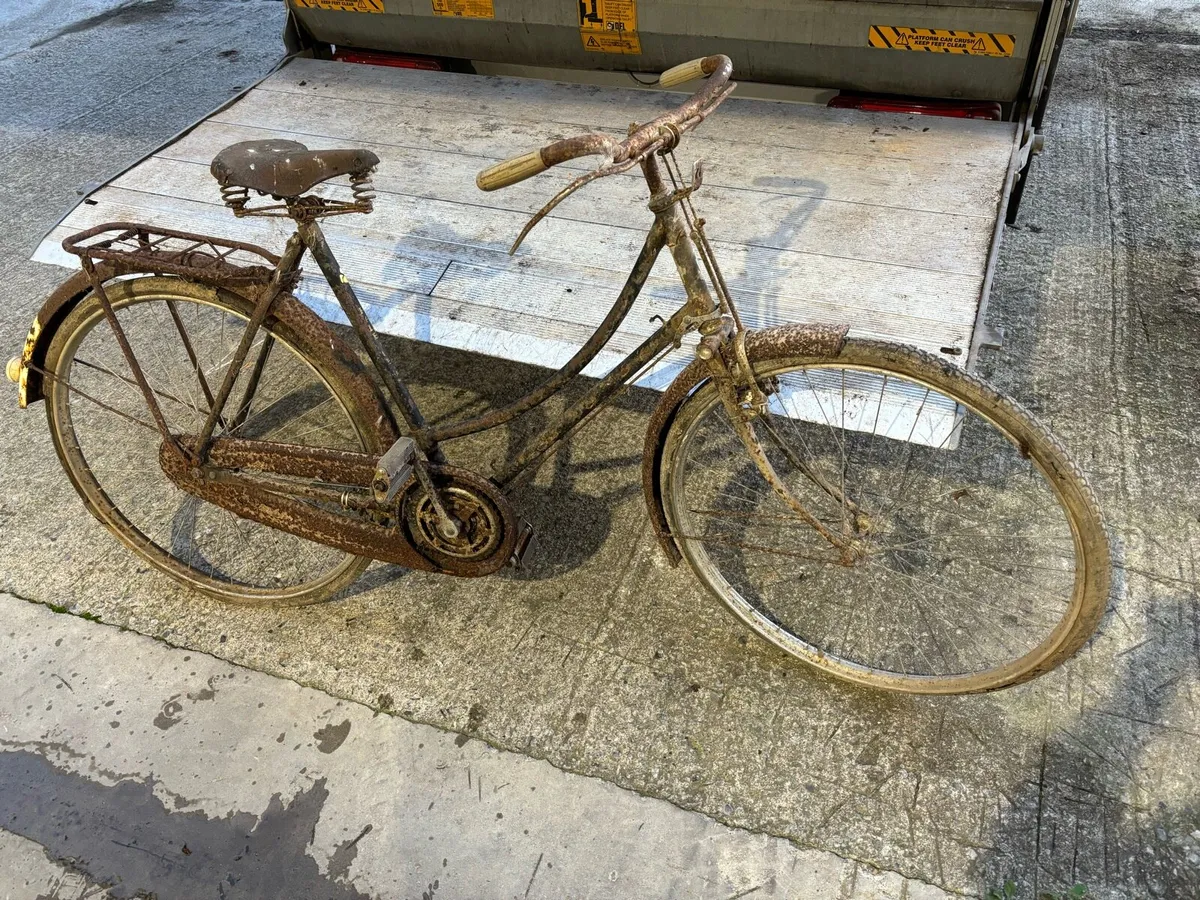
653,245
592,402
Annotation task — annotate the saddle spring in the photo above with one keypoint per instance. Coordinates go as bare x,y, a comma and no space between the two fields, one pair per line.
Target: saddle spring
364,191
237,199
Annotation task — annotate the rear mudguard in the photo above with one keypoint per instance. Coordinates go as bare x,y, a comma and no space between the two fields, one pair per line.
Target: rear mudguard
810,341
319,338
57,307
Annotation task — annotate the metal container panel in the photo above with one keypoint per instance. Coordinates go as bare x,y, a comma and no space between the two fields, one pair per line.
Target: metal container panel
815,43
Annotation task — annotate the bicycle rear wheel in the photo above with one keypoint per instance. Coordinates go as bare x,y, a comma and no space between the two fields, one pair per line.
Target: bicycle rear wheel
980,558
109,447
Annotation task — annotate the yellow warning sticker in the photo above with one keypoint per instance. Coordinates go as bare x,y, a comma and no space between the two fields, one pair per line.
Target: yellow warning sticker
937,40
365,6
465,9
609,26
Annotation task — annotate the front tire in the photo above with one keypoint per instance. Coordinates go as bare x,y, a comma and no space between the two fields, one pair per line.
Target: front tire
981,559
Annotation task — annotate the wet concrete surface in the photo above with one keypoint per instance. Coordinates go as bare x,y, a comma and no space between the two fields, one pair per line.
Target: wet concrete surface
128,840
139,770
604,661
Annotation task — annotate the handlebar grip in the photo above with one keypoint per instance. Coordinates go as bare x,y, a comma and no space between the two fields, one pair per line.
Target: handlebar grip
510,171
684,72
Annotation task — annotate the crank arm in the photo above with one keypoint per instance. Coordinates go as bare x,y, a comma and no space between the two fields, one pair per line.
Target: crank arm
396,469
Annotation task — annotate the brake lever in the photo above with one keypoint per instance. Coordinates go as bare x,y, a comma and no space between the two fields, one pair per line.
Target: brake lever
601,172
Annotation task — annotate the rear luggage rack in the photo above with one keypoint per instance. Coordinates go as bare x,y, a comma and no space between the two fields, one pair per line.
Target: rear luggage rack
142,248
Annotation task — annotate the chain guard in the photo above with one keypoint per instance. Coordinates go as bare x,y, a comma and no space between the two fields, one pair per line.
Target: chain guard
382,539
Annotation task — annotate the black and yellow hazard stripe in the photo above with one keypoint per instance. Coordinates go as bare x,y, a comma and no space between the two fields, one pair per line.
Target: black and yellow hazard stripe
367,6
939,40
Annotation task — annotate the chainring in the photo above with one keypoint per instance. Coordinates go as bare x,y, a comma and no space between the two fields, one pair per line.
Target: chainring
487,523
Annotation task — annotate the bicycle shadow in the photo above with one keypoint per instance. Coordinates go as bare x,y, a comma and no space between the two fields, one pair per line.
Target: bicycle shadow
572,523
757,288
573,509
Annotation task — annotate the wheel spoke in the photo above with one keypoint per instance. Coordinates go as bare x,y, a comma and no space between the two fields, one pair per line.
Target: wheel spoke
179,339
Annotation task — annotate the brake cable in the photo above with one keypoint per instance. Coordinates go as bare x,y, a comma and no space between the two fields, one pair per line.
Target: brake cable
601,172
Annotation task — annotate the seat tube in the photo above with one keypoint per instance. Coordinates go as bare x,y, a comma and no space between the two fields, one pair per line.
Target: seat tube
314,239
285,270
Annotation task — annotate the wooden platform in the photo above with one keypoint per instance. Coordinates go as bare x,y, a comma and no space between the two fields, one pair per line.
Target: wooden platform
882,221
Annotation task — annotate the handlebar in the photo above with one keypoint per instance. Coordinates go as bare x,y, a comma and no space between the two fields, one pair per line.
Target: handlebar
691,113
685,72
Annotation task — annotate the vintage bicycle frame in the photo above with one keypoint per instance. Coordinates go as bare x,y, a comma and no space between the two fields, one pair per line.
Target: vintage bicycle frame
186,459
668,231
309,491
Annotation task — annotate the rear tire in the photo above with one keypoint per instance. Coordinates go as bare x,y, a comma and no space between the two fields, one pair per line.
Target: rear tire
304,396
985,561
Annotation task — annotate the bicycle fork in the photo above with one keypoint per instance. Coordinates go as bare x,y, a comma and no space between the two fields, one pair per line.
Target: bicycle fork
722,347
745,402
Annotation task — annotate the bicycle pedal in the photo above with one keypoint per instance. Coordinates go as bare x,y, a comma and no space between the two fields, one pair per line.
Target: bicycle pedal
524,546
393,470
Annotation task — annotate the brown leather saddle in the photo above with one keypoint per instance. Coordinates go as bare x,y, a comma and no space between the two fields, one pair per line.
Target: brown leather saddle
286,169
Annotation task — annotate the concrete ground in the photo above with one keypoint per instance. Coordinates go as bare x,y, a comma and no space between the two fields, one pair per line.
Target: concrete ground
132,769
602,661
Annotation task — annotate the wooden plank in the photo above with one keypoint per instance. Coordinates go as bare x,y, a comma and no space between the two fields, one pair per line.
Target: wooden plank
878,221
367,250
751,218
516,293
867,402
472,231
929,182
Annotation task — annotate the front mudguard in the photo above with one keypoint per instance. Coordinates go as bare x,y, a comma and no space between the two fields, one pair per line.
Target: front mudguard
808,341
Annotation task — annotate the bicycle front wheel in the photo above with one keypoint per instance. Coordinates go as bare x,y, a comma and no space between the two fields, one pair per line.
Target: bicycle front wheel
978,557
184,336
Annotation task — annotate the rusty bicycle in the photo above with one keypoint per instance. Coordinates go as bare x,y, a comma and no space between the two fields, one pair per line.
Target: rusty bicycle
868,508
